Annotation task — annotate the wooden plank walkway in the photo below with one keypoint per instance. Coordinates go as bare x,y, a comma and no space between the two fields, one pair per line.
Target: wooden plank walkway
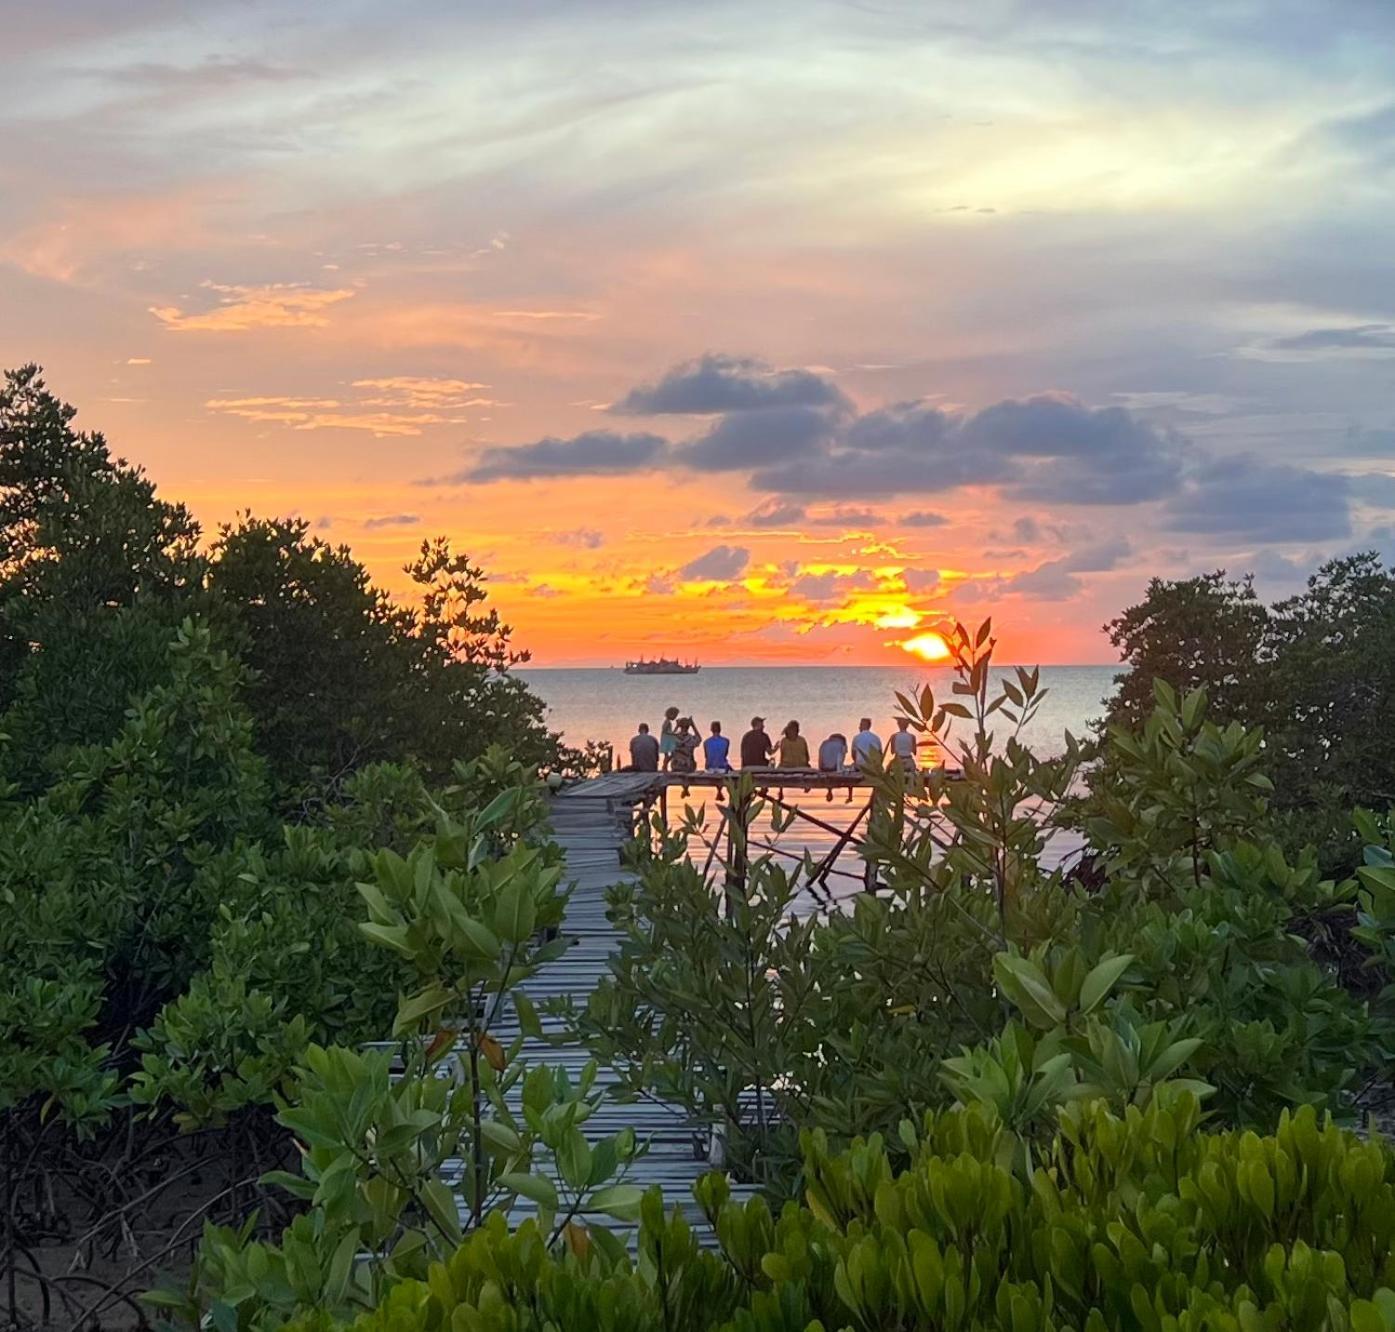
591,826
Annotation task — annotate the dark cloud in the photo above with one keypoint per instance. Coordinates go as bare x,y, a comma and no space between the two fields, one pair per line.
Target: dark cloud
1354,337
1050,448
904,427
764,438
1074,454
1252,500
392,520
1057,580
775,513
923,518
720,564
906,447
847,518
595,453
715,383
1280,573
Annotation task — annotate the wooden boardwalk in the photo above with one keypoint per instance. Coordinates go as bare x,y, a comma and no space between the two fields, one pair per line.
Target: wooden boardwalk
591,826
591,822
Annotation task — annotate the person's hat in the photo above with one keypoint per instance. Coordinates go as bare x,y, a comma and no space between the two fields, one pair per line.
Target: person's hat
757,721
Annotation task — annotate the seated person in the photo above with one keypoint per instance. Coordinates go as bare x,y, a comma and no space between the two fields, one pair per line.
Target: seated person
715,750
644,751
865,743
904,744
833,753
755,745
794,748
685,744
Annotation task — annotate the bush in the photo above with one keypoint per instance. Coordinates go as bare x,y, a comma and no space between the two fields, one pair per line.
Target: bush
1127,1222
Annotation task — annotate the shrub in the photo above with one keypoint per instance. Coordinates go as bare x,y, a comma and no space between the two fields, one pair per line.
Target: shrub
1134,1221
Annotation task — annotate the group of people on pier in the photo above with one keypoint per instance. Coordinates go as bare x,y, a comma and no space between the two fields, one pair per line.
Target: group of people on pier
679,747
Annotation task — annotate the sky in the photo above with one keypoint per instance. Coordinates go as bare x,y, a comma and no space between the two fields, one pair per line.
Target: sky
774,332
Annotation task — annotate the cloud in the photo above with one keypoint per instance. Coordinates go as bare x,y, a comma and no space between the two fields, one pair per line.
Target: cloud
1050,447
1378,338
593,453
1369,443
847,518
588,538
920,580
759,438
416,391
831,586
774,513
241,309
325,414
1246,498
1056,579
1280,572
719,565
715,383
584,315
391,520
923,518
1074,454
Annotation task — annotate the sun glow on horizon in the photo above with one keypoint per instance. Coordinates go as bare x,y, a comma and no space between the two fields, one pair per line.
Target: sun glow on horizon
928,647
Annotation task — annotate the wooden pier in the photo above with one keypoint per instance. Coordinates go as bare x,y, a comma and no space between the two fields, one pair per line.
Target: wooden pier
591,822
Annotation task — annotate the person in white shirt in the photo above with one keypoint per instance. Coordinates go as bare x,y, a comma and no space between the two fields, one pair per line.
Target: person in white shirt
903,744
865,742
832,753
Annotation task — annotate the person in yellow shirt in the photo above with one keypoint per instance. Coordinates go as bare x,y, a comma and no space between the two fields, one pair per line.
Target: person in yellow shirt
794,748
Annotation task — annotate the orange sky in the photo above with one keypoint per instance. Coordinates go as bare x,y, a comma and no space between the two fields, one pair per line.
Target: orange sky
781,333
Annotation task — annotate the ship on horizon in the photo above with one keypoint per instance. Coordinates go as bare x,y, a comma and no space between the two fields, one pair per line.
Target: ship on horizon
661,666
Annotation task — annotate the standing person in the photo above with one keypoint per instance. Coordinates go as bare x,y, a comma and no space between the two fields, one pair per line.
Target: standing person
685,744
715,750
668,737
755,745
644,750
794,748
833,753
865,743
904,744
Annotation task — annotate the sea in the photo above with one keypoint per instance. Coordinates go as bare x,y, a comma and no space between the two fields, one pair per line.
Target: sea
605,704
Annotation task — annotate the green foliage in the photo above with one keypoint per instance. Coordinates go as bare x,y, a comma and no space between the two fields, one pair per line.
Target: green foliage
400,1167
1200,962
1140,1220
1314,670
1195,633
1174,791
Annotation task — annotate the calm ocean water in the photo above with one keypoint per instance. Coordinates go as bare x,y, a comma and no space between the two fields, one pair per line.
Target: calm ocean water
607,704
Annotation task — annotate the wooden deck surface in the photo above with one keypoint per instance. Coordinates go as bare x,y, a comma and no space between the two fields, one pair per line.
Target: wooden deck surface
591,827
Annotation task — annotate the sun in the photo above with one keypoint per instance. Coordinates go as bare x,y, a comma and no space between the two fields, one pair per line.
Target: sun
928,647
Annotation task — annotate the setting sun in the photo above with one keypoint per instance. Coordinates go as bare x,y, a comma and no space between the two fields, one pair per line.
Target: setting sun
928,647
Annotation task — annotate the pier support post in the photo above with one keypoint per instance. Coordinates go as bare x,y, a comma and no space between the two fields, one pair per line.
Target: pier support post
738,836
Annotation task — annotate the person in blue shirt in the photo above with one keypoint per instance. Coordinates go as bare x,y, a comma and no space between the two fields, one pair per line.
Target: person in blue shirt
714,750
